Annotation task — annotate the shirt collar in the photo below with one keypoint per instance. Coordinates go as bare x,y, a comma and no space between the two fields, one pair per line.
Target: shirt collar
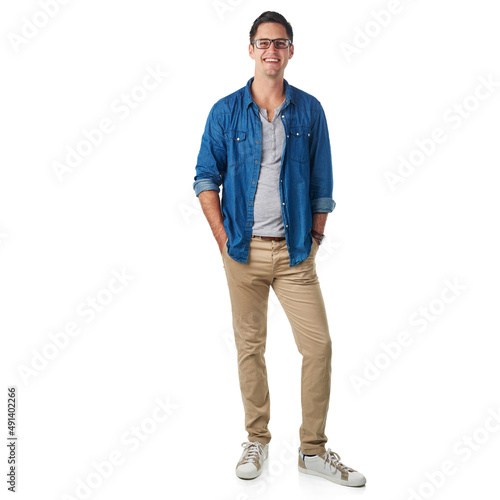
248,95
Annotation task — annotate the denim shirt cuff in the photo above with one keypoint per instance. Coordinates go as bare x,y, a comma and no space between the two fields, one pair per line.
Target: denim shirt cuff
322,205
205,185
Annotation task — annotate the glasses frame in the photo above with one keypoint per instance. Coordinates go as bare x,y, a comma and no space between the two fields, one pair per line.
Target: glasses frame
272,42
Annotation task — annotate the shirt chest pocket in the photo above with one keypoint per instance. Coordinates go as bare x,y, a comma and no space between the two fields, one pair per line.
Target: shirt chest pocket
298,144
235,141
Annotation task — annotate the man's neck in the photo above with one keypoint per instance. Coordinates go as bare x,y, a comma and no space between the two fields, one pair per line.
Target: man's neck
266,91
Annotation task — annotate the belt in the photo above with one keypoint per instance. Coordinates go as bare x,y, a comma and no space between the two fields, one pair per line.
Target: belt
274,238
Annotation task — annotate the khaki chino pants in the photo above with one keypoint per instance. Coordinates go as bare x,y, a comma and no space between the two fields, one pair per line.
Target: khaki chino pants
299,293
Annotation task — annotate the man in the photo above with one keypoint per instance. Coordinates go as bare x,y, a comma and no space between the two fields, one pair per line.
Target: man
267,144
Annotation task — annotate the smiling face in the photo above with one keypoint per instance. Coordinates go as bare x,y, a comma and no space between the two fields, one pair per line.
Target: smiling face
271,62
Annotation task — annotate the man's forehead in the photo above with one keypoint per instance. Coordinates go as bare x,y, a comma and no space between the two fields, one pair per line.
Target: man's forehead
268,30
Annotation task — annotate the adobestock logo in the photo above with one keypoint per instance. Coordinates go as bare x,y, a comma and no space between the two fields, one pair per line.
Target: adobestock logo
188,211
3,237
123,106
222,7
364,36
392,350
31,27
466,447
87,309
131,440
453,117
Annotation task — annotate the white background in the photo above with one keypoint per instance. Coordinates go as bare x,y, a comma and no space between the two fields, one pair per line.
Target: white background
129,207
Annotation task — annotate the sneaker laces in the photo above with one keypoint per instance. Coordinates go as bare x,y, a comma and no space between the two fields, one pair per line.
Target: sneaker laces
254,451
333,458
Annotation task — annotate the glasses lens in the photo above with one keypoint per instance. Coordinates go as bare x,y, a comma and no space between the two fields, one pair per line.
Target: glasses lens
281,43
263,44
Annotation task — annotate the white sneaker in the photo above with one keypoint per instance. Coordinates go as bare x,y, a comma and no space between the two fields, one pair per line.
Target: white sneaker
252,459
330,467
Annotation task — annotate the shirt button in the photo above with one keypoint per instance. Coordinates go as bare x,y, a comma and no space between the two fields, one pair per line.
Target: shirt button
257,142
256,161
282,116
288,136
253,182
250,203
297,134
286,225
283,203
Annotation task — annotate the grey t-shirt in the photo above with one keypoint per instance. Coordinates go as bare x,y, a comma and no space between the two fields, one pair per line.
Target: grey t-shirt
268,220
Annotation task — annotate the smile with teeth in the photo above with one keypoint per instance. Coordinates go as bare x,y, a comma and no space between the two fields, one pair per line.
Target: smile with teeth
271,59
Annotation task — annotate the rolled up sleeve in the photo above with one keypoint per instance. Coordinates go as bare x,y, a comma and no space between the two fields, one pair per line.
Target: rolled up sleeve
212,157
321,173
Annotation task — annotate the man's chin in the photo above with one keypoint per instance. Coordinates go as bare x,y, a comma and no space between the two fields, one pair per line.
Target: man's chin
272,73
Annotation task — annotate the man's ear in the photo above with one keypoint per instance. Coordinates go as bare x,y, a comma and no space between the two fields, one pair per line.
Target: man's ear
292,49
250,51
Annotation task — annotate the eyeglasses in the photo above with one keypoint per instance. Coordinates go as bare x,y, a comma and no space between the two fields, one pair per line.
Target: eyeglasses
279,43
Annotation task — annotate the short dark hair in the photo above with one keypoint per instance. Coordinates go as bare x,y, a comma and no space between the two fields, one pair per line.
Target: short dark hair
271,17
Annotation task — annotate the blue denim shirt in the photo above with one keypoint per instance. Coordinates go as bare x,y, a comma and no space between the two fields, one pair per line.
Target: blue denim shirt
230,156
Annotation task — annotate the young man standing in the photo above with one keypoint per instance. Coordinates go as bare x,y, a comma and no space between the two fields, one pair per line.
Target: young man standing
267,144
